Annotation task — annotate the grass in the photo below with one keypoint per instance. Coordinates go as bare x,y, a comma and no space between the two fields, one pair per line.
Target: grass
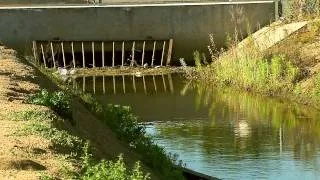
283,70
252,71
122,121
40,123
302,9
317,85
109,170
125,124
58,101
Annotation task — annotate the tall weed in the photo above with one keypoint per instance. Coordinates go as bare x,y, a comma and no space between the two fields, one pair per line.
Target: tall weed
317,85
302,9
254,72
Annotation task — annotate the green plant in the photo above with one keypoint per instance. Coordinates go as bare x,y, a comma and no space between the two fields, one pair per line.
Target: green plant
40,124
125,124
252,71
27,115
59,101
317,85
108,170
47,177
197,59
302,9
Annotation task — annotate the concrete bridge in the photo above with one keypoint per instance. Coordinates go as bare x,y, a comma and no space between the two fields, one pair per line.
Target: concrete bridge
188,24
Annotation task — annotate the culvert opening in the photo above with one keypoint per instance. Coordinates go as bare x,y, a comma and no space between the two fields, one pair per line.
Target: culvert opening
89,54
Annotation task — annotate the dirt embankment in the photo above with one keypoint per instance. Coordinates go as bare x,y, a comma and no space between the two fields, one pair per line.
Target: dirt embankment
27,157
21,157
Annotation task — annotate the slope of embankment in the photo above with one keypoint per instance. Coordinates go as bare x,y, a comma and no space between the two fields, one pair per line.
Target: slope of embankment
26,150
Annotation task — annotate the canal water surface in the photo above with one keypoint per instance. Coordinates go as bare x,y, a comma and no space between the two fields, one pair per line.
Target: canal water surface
218,131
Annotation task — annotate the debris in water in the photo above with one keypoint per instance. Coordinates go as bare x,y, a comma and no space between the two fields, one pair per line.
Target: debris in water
72,71
62,71
138,74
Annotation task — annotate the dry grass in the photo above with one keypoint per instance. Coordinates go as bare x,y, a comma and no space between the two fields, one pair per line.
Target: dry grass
31,155
21,157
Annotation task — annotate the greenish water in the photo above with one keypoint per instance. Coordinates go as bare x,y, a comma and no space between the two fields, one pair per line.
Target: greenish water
219,132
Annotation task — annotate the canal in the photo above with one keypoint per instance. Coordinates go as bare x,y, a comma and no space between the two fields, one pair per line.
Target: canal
218,131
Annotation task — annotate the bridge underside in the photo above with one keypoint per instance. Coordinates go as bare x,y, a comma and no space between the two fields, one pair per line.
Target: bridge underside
187,24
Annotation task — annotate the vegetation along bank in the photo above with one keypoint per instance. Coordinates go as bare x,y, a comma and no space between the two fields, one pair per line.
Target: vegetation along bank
289,69
59,133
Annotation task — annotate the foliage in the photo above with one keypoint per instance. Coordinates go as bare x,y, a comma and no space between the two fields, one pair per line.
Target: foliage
197,59
317,85
109,170
58,101
255,72
302,9
125,124
40,123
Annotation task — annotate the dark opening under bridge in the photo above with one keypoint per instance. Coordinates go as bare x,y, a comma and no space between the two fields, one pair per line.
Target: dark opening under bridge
111,35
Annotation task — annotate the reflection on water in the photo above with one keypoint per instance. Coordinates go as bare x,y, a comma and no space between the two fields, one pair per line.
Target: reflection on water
125,84
219,131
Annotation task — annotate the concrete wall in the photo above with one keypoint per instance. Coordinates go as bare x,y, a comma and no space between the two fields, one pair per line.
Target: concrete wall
188,24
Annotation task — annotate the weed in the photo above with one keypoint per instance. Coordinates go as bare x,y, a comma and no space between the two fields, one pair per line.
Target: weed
59,101
61,139
108,170
47,177
317,85
303,9
125,124
32,115
197,59
40,124
249,69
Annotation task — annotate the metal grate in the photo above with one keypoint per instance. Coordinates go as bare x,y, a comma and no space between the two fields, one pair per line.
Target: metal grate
53,54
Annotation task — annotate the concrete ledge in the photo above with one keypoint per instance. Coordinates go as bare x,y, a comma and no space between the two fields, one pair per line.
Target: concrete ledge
271,35
137,5
188,24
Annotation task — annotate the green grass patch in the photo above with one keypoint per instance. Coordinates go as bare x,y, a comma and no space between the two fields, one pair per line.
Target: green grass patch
40,123
254,72
125,124
109,170
59,102
317,85
120,119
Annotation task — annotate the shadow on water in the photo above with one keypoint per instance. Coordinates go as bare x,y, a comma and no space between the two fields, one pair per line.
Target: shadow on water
219,131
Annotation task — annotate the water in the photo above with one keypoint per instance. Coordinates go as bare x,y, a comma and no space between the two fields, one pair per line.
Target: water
219,132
